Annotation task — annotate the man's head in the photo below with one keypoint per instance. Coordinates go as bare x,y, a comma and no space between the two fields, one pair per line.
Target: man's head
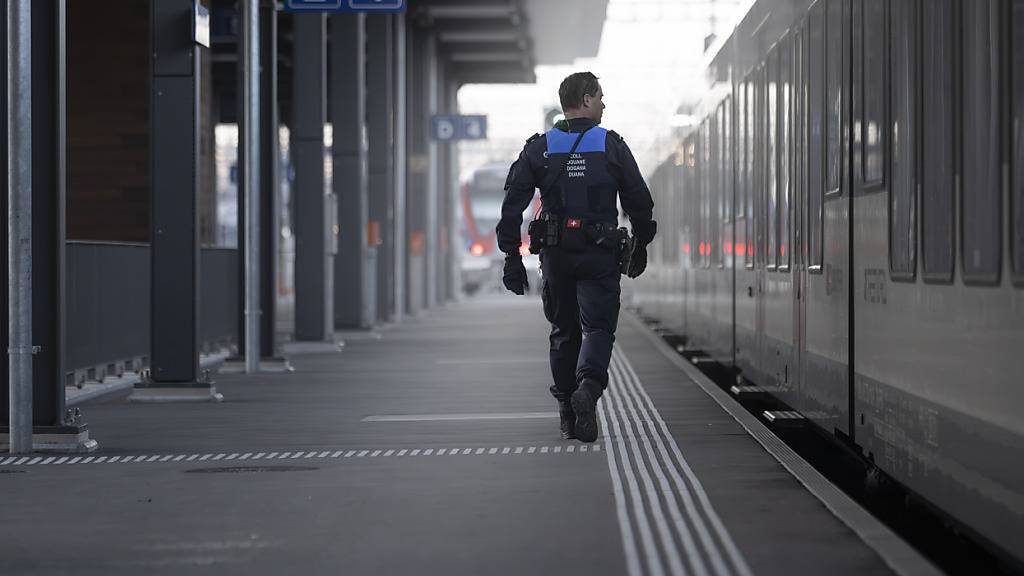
582,97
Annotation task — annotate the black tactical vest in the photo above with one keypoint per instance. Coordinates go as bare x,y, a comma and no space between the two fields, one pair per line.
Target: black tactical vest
585,189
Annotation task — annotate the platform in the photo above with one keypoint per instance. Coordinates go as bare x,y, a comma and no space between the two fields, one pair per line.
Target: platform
432,449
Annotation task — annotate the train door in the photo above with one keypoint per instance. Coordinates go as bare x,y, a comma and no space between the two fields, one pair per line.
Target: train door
760,219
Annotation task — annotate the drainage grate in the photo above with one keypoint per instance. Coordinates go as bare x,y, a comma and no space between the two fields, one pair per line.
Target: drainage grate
243,469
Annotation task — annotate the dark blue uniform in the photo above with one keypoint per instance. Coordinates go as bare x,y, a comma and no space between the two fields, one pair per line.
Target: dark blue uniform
581,289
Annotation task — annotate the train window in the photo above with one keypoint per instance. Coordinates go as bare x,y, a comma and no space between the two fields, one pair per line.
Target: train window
749,158
816,136
981,155
740,147
902,205
785,152
834,95
771,145
874,90
714,190
937,138
725,131
705,204
1018,138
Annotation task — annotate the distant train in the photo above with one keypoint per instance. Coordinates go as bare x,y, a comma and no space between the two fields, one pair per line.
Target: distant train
480,207
846,229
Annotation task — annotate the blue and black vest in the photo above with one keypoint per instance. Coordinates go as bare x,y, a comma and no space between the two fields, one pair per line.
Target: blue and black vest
585,189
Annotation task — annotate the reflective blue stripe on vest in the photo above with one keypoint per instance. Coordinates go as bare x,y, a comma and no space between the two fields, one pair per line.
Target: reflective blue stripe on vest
561,142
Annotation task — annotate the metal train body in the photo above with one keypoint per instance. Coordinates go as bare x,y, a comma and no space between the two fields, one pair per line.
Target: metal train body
846,229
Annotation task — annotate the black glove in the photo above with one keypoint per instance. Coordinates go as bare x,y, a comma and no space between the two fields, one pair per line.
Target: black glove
514,275
637,259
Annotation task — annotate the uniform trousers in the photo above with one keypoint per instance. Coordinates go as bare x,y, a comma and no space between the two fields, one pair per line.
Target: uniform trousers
580,293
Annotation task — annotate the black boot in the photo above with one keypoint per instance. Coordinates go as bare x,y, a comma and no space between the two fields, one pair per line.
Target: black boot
584,404
568,420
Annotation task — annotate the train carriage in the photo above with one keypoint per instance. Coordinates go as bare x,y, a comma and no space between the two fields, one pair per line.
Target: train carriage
847,229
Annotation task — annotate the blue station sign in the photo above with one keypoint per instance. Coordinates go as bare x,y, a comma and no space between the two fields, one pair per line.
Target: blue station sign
381,6
446,128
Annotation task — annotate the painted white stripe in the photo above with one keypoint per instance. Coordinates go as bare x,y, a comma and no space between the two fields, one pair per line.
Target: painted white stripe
323,454
389,453
101,460
88,459
492,451
427,453
166,458
681,529
192,457
628,454
21,461
7,460
571,448
349,453
480,451
415,452
402,453
363,453
219,456
469,451
458,417
272,455
336,454
245,456
531,450
33,461
62,460
205,457
48,460
375,454
625,527
310,454
543,449
259,455
470,361
506,450
232,456
734,554
597,447
113,459
519,449
153,458
179,458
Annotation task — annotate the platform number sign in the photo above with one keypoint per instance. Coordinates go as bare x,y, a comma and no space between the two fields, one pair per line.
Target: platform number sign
446,128
382,6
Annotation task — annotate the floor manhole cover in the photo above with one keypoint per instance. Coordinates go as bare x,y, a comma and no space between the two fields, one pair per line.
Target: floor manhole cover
243,469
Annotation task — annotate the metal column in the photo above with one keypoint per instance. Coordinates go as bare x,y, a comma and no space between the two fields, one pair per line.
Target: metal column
348,116
250,152
401,164
380,124
452,194
314,276
174,158
36,296
416,178
432,248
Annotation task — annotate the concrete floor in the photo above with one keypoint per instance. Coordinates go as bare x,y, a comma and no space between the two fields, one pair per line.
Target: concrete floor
312,473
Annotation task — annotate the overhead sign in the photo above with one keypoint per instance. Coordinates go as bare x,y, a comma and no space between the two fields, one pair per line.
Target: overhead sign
201,28
382,6
446,128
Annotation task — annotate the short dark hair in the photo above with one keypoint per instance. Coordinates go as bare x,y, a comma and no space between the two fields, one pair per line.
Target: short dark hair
574,87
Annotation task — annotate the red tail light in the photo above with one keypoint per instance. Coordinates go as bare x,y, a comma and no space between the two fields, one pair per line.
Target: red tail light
477,249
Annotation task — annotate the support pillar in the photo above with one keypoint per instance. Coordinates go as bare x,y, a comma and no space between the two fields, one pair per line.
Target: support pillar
401,165
174,157
270,179
354,263
432,249
314,263
52,428
380,125
418,172
451,190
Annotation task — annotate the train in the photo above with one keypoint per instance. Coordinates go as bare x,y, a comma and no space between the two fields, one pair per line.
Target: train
843,227
480,199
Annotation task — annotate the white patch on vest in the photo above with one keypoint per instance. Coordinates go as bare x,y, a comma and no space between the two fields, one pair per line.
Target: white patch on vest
576,166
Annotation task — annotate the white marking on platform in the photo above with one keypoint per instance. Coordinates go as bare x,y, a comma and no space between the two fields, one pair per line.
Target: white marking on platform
571,448
415,452
336,454
245,456
389,453
459,417
428,452
363,453
473,361
349,453
402,453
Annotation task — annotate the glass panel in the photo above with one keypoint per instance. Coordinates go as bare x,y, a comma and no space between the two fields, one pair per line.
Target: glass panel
937,138
834,108
1018,136
981,198
771,159
875,91
816,128
785,152
902,240
714,191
